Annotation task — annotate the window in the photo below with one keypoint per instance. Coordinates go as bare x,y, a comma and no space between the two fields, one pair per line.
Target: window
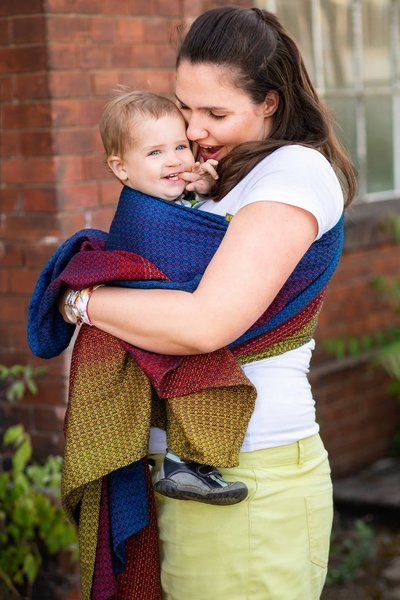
352,51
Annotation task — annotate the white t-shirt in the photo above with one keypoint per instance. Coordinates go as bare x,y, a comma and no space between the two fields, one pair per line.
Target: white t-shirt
285,408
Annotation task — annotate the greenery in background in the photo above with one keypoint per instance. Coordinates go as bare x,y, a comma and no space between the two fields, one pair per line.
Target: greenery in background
349,553
19,379
33,526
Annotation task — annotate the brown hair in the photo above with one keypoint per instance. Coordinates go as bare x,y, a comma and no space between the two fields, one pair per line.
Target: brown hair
121,112
263,57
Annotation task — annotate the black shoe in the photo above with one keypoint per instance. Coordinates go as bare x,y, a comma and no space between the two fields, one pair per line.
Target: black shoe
193,481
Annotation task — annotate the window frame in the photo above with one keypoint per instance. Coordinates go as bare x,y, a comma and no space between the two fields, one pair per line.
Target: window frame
359,92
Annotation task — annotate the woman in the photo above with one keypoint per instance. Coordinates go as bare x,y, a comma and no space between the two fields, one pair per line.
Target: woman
248,102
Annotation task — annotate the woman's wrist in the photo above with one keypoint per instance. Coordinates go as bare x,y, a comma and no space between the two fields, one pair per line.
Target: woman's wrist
75,307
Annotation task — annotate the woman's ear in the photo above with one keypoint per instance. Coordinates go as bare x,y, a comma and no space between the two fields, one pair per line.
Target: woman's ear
271,103
117,166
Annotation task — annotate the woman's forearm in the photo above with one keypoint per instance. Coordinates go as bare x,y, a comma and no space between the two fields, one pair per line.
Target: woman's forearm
163,321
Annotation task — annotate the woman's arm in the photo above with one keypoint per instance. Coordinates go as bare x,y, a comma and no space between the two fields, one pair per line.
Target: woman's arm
263,244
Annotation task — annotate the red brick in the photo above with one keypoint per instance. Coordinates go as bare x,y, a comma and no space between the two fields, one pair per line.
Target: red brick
142,7
10,144
6,88
161,82
49,418
21,7
145,55
62,56
69,84
11,414
192,7
121,55
109,191
41,199
27,170
101,218
23,116
93,166
166,56
102,29
37,254
27,227
67,28
19,60
5,32
168,7
92,57
103,82
23,281
4,278
83,195
91,111
29,29
35,143
77,112
31,86
17,335
68,168
74,6
11,254
130,30
14,310
45,444
8,199
71,223
75,141
156,31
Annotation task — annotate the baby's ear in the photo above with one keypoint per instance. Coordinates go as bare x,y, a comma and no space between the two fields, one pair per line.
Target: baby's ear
117,166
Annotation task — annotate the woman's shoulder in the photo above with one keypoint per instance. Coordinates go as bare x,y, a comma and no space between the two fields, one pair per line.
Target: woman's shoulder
293,159
300,176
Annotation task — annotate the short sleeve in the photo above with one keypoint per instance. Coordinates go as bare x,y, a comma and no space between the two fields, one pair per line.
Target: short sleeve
298,176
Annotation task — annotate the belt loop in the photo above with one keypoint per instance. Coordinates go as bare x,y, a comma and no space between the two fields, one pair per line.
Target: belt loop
300,453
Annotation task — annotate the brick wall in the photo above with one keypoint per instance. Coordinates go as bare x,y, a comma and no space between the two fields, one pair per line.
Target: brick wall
59,60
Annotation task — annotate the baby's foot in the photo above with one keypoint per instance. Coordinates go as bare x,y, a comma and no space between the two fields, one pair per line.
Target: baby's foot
193,481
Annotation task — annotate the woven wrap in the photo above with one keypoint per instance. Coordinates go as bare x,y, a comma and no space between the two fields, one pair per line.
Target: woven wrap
117,391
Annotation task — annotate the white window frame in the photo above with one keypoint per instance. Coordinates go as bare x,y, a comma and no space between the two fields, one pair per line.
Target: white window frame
359,91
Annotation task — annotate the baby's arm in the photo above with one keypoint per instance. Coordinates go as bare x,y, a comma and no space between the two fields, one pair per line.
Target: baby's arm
202,176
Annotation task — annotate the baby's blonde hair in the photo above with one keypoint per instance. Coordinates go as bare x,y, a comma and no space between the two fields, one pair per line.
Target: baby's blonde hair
120,113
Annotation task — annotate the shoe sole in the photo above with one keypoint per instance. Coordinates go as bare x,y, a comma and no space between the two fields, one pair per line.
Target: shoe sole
170,489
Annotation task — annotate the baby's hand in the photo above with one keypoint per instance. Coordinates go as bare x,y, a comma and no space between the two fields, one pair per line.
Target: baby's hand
202,176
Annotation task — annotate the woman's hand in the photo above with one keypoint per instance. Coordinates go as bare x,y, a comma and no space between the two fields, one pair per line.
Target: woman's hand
202,176
263,244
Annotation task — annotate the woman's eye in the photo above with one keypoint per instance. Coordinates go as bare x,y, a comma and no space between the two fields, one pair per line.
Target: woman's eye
154,152
213,116
183,107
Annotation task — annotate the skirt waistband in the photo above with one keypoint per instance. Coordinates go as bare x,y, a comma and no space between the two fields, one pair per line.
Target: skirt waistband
291,454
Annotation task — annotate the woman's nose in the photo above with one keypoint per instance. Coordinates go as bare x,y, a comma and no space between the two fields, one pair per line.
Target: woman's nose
195,130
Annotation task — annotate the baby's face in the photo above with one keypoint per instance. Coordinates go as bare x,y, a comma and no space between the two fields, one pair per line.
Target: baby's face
160,153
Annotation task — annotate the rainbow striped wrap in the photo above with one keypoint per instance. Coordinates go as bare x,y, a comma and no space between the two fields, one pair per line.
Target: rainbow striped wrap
118,391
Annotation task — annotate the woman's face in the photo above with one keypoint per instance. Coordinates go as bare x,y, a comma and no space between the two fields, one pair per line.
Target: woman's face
219,114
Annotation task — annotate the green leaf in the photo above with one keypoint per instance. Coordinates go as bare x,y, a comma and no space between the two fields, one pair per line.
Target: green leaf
14,435
22,455
31,566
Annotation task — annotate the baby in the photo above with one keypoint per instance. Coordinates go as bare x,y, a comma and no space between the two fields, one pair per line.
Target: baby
144,137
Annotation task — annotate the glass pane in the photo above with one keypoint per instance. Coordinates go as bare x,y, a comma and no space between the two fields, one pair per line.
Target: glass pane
376,41
379,143
337,43
296,17
343,110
